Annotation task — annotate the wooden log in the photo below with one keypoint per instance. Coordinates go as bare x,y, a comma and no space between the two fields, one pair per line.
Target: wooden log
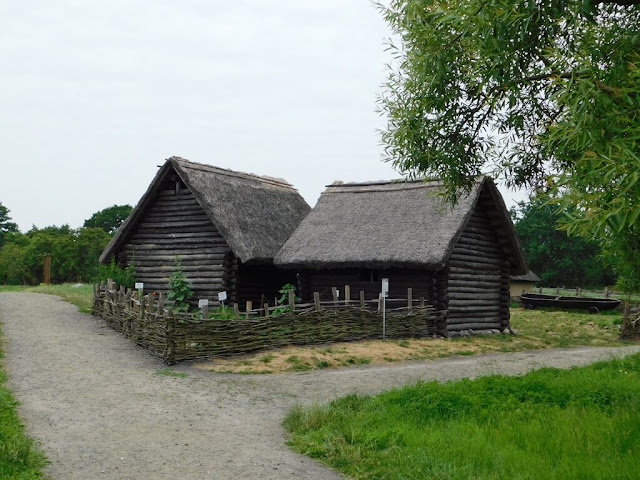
316,301
236,312
362,303
457,308
475,278
266,310
409,298
334,293
455,271
474,242
292,300
347,294
455,303
475,326
153,230
476,295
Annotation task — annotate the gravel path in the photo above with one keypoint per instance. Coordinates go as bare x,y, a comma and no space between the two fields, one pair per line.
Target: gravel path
101,410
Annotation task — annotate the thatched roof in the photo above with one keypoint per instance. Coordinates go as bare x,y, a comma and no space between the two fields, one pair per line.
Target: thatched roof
391,224
255,214
527,277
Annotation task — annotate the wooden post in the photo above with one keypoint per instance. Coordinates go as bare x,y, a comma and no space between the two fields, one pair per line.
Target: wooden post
142,308
249,306
422,302
380,302
347,294
47,268
558,292
266,310
409,298
95,291
334,292
362,304
539,289
170,326
578,291
204,312
316,301
292,300
161,303
151,303
606,292
236,311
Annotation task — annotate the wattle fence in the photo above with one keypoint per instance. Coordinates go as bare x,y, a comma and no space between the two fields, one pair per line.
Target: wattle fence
176,337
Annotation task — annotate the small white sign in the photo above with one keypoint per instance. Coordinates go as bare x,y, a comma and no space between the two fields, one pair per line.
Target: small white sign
385,287
338,293
222,296
139,285
203,302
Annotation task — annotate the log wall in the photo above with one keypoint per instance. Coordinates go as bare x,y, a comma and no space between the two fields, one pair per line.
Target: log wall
478,275
420,281
174,224
260,284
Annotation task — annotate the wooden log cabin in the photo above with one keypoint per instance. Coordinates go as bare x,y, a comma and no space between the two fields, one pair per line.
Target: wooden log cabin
224,226
458,259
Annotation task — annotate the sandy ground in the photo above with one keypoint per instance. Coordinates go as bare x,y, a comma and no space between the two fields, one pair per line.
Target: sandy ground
102,408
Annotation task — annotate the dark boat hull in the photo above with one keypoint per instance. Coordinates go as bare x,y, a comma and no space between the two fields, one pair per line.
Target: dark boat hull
582,303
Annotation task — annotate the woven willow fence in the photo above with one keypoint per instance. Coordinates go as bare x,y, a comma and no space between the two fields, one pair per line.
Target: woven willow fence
176,337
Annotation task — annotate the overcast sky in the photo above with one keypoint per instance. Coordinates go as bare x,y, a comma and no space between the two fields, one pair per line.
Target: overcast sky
95,95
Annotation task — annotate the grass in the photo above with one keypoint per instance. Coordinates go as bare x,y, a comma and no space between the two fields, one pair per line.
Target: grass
552,424
81,296
537,329
19,457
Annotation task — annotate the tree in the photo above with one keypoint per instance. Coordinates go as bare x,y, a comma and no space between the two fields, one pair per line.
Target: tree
109,219
559,259
536,92
6,226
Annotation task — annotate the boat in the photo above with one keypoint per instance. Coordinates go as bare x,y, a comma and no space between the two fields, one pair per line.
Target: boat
593,305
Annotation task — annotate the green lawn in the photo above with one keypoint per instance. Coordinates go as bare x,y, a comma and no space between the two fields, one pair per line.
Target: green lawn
582,423
19,458
81,296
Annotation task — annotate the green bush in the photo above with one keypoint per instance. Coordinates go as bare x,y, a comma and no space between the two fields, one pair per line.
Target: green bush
122,276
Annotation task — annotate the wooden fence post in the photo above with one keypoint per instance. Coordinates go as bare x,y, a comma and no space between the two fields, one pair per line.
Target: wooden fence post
577,291
161,304
236,311
266,310
347,294
606,292
249,306
142,308
334,292
47,268
409,298
204,312
170,326
380,303
362,304
422,302
316,301
292,300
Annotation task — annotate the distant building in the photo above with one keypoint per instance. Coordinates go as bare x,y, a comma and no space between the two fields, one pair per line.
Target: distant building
523,283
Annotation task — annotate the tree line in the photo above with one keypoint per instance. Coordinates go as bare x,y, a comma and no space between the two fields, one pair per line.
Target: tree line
74,251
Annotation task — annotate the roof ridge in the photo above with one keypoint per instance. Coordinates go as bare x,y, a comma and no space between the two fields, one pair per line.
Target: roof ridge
279,182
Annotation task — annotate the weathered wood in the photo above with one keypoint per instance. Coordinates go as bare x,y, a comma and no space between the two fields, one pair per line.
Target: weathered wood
476,294
409,298
455,303
455,271
236,312
316,301
473,286
292,301
475,326
204,311
334,293
347,294
361,298
266,309
477,278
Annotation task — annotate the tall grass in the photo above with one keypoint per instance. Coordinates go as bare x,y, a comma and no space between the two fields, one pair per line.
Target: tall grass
550,424
19,457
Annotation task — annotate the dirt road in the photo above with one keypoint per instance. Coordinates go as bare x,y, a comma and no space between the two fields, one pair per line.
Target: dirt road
102,408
